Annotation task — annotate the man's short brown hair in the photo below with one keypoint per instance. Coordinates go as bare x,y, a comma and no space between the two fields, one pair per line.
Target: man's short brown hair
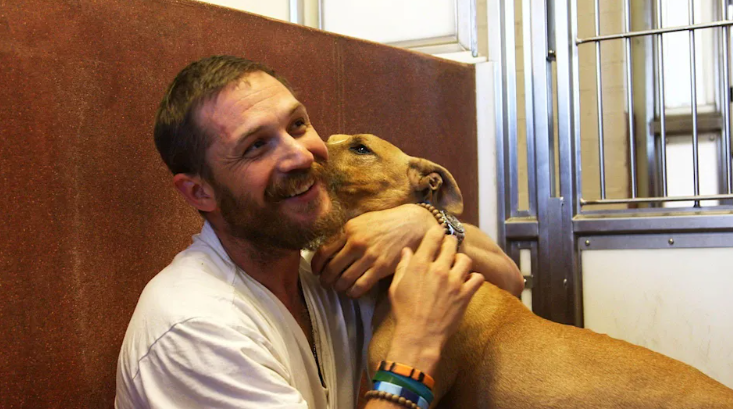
180,140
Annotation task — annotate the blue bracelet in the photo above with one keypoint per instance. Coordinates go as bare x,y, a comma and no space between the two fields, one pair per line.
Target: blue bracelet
405,382
401,392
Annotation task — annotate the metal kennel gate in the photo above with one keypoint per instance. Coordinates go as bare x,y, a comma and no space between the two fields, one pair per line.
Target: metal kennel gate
559,223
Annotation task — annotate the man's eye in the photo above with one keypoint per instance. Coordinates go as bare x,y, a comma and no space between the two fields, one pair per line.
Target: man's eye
299,124
255,145
360,149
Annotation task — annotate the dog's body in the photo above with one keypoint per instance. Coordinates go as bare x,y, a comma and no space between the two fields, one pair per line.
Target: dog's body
504,356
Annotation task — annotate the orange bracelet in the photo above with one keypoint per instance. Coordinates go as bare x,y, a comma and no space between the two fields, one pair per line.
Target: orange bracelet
407,371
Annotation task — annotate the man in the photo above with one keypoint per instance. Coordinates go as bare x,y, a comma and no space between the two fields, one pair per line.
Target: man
238,320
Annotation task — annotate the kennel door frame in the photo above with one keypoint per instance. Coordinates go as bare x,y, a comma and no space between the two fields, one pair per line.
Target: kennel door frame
558,217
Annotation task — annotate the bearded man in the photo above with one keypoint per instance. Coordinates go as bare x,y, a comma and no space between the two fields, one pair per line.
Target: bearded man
238,319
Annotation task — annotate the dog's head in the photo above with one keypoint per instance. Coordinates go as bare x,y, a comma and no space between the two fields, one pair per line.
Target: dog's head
369,173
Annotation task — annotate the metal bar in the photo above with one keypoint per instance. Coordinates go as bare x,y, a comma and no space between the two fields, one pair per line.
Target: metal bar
629,98
653,224
498,54
599,93
522,228
567,147
510,121
656,241
552,278
681,124
576,160
661,100
725,100
528,46
693,106
474,29
642,33
696,198
296,11
321,16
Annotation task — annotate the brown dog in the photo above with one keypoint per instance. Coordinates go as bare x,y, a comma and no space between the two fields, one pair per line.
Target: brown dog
504,356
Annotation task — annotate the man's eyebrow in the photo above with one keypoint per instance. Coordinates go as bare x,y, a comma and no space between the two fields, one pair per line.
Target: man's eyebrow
243,138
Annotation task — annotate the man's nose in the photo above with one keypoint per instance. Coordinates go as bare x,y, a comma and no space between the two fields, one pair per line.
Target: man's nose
295,155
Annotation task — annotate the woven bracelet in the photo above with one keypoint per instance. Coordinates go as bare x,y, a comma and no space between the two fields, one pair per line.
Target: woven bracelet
407,371
405,382
392,398
403,392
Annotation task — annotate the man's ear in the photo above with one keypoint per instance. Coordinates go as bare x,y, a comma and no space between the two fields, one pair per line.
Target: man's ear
196,191
435,184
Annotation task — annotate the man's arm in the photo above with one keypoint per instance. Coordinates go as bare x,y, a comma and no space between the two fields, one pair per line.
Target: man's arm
429,294
369,250
489,260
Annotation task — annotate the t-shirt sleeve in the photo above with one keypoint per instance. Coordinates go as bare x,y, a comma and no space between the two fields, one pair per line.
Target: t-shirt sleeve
200,363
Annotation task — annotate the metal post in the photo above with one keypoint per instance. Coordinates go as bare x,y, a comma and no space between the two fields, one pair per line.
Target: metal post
529,44
660,94
296,11
693,106
725,100
568,147
510,87
629,98
599,93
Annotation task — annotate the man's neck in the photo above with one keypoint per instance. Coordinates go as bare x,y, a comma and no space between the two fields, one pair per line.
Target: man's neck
276,269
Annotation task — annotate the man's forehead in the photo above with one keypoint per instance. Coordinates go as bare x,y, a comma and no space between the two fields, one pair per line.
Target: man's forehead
253,92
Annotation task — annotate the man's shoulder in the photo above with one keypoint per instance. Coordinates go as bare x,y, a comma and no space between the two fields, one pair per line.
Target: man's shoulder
196,288
192,278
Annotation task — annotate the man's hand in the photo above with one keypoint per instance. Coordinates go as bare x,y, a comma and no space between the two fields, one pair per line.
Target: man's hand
429,295
369,248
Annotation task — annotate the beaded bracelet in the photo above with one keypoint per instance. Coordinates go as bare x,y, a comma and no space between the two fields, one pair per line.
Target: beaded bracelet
392,398
407,371
403,392
451,228
436,213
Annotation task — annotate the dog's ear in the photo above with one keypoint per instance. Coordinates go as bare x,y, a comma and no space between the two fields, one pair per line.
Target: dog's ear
435,184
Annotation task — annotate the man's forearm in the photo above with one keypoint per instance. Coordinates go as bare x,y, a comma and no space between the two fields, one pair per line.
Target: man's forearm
491,261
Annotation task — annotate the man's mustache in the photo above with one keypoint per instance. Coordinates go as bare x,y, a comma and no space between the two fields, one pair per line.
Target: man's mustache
296,181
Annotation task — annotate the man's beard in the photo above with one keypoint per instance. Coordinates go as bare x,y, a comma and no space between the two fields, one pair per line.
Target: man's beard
271,231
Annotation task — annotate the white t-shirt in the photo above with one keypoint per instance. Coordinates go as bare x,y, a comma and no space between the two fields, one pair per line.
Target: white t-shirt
204,334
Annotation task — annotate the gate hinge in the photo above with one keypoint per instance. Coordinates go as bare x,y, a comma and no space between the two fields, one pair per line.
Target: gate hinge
528,281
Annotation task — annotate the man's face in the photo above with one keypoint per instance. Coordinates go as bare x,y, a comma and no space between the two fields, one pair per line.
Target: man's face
267,165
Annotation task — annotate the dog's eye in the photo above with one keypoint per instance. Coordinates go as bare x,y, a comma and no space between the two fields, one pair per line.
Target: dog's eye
360,149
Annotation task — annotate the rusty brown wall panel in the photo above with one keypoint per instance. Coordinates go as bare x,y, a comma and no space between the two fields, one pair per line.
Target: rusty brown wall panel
89,213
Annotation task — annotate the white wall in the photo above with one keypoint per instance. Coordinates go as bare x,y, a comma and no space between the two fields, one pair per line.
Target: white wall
674,301
279,9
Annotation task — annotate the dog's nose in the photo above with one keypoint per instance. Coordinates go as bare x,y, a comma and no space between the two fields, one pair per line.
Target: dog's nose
335,139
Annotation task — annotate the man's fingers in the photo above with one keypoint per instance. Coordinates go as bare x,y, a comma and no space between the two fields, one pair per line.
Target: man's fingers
430,244
336,266
402,265
461,267
447,251
472,284
351,274
324,254
363,284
